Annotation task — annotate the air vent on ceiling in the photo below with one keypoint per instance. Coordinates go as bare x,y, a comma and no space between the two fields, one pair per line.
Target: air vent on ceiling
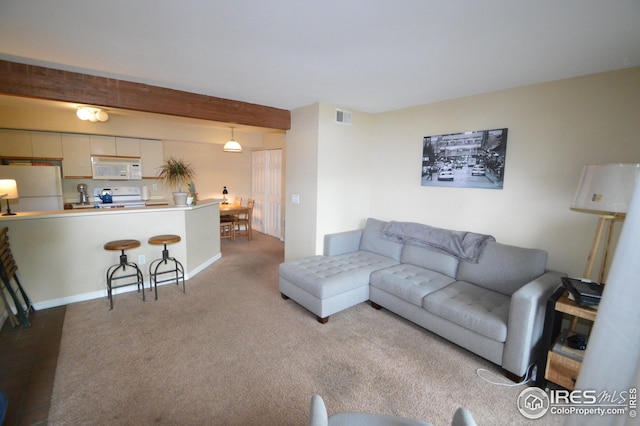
343,117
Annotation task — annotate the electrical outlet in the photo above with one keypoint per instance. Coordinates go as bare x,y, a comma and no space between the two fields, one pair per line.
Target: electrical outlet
142,259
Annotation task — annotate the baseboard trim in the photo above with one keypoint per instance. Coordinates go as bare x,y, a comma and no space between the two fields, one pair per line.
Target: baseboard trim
52,303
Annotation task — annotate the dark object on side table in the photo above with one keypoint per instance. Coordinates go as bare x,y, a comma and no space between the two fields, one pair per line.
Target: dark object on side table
584,292
577,341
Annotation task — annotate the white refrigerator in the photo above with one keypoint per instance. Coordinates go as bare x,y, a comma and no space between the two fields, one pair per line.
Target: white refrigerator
39,188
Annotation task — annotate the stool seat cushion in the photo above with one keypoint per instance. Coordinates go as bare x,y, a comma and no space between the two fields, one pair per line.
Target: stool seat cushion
164,239
121,244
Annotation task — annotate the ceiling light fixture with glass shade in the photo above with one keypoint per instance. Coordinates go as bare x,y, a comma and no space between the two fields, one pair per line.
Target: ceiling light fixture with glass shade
232,145
92,114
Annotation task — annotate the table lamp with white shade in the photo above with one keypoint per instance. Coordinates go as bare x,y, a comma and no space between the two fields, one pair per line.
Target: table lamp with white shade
605,190
10,188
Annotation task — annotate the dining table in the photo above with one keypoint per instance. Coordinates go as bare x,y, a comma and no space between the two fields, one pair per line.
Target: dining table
235,210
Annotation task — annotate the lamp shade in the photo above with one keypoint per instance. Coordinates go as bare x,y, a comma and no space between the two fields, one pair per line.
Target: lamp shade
232,146
9,187
606,188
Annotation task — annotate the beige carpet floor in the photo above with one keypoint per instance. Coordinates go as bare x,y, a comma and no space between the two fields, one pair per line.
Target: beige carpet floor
231,351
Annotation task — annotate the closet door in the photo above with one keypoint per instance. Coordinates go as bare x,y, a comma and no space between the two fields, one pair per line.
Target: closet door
274,193
259,189
267,191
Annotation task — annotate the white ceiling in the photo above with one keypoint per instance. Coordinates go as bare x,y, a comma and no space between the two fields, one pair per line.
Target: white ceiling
369,55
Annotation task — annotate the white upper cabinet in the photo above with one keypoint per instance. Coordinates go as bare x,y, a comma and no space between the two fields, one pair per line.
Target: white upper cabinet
46,145
115,145
15,143
103,145
127,147
76,155
76,150
30,144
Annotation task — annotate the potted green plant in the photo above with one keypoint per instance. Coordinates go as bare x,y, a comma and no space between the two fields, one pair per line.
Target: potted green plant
174,172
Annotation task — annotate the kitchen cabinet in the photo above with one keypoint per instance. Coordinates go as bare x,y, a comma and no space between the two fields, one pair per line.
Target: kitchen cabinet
76,155
127,147
113,145
15,143
152,154
46,145
76,150
102,145
30,144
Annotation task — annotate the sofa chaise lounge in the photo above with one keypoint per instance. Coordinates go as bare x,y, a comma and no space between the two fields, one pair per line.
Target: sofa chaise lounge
485,296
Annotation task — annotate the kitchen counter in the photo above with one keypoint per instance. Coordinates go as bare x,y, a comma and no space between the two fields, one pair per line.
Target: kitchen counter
148,203
60,254
92,210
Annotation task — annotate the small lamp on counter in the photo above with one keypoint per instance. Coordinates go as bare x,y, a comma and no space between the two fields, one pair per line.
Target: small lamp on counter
10,188
224,195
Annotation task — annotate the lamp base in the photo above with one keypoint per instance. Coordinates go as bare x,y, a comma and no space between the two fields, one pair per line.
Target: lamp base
8,213
605,226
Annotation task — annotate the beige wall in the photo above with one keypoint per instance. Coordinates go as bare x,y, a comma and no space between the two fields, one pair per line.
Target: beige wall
554,130
344,161
215,168
302,179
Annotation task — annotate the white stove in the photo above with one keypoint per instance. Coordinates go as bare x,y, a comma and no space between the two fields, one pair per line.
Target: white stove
122,197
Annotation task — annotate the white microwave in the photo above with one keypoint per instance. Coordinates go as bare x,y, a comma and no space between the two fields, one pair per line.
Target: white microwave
116,168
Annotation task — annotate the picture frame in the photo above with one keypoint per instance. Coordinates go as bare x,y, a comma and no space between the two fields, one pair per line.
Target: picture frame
474,159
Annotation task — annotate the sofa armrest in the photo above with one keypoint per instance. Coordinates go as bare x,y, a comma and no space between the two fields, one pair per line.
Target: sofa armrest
342,242
526,321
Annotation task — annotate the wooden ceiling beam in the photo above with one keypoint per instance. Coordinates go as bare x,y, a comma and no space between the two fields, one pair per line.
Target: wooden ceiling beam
52,84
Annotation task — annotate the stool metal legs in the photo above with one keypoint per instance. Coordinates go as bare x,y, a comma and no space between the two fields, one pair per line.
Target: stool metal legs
177,271
111,272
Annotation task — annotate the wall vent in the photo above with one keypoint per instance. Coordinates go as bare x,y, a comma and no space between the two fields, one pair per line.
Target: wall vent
343,117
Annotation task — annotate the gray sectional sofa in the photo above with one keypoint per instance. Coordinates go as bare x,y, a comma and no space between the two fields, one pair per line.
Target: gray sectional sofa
485,296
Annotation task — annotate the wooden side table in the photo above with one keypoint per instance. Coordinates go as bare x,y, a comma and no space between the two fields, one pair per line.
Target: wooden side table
562,364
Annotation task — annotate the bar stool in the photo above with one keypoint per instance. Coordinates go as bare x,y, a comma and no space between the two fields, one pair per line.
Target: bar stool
178,270
123,245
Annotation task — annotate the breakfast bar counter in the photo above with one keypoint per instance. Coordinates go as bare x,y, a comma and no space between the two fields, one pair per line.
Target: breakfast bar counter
60,254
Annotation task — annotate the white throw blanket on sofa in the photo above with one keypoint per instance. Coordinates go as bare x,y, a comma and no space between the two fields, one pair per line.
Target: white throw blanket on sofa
464,245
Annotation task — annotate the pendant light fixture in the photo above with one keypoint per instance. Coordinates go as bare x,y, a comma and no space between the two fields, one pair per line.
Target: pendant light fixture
232,145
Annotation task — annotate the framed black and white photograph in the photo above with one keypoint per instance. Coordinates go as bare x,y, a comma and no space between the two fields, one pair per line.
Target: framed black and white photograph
465,160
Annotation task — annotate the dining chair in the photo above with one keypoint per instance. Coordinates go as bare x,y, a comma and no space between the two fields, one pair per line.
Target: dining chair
243,224
232,217
228,230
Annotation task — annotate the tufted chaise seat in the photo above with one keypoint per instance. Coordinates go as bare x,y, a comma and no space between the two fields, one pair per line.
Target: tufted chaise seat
493,305
328,284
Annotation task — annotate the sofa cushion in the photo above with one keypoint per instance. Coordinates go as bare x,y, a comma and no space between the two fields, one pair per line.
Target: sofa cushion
504,268
475,308
408,282
430,259
373,240
327,276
